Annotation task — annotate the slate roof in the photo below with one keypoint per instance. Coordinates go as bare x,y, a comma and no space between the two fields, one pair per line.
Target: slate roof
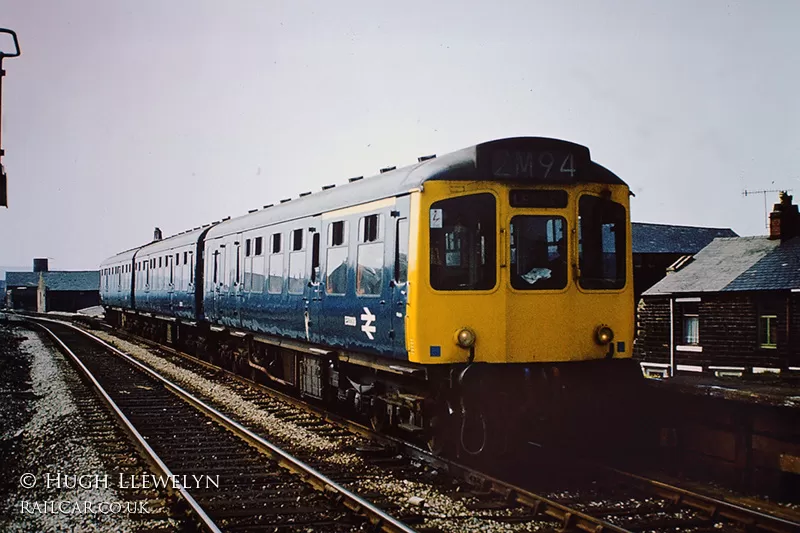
668,239
778,270
77,280
737,264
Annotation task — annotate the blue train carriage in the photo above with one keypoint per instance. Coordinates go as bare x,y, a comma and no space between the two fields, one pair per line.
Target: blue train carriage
451,298
167,273
116,284
310,280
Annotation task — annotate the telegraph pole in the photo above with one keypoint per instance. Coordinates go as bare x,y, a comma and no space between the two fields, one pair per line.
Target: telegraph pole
4,54
764,192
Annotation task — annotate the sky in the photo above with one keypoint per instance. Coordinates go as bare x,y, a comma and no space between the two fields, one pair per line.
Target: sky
122,116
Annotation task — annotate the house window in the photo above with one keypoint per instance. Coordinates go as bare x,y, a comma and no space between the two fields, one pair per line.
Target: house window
767,330
691,324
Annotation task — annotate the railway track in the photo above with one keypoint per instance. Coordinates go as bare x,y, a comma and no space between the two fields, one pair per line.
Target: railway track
432,494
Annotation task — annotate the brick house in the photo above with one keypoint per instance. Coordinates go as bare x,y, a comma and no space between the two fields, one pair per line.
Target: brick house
734,309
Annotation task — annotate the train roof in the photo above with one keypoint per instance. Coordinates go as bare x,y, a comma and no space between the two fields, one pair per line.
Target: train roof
173,241
468,164
122,257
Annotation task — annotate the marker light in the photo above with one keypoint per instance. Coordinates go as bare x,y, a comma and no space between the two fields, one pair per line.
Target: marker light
465,338
603,335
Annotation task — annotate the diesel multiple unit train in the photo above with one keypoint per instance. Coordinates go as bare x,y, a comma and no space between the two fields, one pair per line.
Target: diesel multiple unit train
461,299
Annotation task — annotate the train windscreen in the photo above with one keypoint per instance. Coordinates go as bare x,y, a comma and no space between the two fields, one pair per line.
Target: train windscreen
462,240
538,252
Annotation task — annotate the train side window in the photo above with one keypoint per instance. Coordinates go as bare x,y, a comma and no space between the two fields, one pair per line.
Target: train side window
315,258
401,252
297,240
369,259
336,261
370,228
275,283
238,252
337,233
602,225
247,248
462,243
297,266
215,274
257,267
191,267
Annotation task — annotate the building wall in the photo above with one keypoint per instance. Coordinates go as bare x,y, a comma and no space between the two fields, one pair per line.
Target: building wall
22,298
71,301
728,330
649,269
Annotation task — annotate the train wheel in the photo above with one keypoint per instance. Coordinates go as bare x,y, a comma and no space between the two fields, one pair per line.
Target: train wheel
378,418
439,438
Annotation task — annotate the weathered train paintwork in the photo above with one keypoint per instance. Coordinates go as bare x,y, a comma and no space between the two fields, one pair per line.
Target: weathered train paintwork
116,283
165,274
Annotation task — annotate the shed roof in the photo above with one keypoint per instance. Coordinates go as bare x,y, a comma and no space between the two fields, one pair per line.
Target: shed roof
737,264
78,280
669,239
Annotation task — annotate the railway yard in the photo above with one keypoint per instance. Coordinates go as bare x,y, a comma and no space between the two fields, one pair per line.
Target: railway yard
248,458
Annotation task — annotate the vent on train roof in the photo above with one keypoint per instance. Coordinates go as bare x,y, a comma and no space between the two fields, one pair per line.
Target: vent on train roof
226,218
422,158
326,187
387,169
268,206
251,211
351,180
286,200
198,227
304,194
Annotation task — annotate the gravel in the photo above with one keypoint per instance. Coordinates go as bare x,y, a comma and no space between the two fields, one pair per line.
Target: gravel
441,511
43,432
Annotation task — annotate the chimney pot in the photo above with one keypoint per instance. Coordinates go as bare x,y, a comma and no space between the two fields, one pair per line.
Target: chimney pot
40,264
784,220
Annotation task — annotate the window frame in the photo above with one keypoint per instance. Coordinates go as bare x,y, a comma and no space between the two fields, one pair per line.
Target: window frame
766,329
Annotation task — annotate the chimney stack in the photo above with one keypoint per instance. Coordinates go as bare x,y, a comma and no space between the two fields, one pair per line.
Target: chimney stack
40,264
157,234
784,221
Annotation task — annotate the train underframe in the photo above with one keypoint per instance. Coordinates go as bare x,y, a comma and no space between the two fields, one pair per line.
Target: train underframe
466,410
